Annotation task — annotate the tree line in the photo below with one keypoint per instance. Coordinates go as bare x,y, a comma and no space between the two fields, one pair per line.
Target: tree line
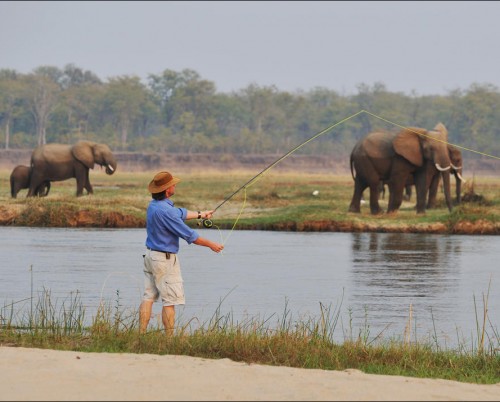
179,111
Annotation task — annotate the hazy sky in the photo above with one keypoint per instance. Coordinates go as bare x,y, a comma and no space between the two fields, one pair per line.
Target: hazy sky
426,46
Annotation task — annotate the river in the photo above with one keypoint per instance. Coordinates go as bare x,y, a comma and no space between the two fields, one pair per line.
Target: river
421,286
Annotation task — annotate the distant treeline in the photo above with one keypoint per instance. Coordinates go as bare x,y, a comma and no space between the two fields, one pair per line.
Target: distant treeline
181,112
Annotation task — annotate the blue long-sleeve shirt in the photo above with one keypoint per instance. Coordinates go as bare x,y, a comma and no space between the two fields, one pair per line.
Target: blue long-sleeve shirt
165,225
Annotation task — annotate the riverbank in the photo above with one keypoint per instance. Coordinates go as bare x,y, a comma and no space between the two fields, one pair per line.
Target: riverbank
16,216
282,201
66,375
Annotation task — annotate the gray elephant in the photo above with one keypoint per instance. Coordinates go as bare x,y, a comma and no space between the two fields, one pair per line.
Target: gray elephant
20,179
56,162
394,157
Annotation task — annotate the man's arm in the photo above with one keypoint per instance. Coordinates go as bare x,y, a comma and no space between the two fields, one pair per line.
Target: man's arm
199,214
201,241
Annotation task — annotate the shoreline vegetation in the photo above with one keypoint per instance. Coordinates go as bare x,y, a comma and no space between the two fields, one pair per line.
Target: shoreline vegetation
307,343
279,201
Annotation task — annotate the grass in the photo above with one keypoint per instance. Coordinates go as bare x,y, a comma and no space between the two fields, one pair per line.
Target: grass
308,343
275,201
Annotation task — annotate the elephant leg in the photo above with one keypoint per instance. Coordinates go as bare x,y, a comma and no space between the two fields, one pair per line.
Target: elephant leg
359,187
374,193
381,189
407,195
35,182
433,189
43,189
13,188
82,177
47,188
421,190
396,188
88,186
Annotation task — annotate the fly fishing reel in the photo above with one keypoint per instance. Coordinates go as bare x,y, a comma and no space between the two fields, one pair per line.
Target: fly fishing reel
206,223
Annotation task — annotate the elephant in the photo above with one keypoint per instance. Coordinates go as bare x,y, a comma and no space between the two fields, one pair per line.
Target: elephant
394,157
456,169
20,179
56,162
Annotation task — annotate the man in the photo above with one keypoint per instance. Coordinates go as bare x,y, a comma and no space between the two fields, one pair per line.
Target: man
165,225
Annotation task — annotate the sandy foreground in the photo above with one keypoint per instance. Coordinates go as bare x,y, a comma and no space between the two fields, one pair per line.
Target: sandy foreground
40,374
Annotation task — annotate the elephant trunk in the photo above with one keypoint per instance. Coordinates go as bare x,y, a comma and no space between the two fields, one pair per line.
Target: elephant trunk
446,185
458,185
110,168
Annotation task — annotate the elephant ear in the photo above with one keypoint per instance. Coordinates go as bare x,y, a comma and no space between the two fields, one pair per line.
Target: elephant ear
455,157
84,152
407,144
442,129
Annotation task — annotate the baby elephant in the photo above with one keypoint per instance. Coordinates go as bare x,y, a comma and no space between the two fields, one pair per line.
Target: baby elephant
20,178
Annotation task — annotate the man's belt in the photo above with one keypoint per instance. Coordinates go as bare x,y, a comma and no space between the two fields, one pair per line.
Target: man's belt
167,253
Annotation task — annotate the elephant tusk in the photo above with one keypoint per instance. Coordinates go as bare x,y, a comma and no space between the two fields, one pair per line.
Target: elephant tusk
441,169
111,168
456,167
460,177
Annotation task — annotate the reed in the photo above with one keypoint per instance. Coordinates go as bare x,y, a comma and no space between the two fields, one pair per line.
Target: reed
275,340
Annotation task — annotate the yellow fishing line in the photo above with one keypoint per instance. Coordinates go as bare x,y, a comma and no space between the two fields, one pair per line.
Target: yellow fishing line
239,215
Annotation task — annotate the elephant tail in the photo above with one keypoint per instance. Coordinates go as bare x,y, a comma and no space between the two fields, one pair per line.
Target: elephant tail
351,163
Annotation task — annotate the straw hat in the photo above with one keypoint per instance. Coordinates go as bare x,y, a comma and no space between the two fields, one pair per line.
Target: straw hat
161,182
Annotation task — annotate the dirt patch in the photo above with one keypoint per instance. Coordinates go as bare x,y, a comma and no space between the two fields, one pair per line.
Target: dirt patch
18,215
8,215
462,227
86,218
478,227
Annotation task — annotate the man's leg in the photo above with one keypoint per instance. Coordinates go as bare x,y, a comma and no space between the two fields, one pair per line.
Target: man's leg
144,315
168,318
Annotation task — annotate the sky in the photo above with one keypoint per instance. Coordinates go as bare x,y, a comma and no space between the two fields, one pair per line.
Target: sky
413,47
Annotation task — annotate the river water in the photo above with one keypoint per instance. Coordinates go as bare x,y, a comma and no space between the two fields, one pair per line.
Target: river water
378,283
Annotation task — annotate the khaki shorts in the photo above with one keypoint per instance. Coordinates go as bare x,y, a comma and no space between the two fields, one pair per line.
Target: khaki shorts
162,278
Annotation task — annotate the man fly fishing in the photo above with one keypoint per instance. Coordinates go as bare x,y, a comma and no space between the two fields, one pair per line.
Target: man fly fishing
165,225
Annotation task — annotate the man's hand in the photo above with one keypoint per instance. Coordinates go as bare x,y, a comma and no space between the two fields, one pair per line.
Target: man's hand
217,247
207,214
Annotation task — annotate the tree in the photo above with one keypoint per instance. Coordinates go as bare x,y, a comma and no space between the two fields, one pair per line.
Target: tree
81,93
11,91
123,99
42,97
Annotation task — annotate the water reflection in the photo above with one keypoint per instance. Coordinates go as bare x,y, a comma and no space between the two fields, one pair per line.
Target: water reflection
391,272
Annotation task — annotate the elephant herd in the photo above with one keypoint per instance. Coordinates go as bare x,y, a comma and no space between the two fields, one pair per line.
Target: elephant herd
413,156
56,162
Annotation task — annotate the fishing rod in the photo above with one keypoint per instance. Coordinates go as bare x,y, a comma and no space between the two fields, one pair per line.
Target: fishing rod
207,223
